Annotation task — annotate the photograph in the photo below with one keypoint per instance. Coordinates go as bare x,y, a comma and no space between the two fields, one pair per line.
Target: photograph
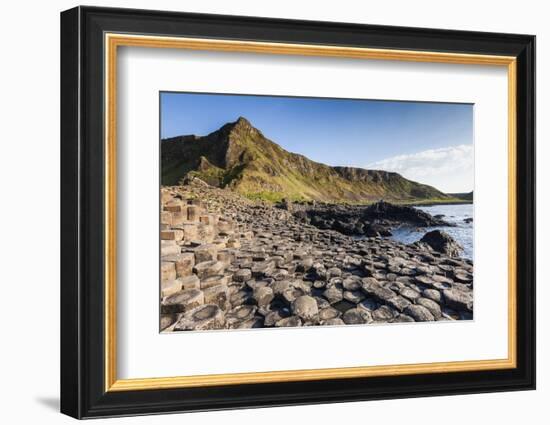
320,188
279,211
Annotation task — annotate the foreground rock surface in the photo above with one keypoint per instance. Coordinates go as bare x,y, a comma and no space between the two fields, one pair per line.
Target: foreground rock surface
442,242
231,263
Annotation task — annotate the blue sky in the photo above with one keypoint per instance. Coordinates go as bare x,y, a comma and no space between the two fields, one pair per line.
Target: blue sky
427,142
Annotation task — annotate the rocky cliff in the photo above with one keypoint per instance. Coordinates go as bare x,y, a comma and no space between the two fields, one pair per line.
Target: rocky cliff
238,156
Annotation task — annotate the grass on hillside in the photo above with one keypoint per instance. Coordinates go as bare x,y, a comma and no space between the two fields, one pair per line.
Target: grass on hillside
275,197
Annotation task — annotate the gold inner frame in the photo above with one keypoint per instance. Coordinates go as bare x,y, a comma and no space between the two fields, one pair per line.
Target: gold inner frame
113,41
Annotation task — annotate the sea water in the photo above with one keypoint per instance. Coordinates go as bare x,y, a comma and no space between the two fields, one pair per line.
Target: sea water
463,232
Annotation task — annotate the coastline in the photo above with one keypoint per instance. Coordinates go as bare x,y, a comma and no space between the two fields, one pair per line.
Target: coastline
461,216
231,263
433,203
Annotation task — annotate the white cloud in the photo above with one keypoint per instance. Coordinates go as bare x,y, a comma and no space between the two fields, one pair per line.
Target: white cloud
448,169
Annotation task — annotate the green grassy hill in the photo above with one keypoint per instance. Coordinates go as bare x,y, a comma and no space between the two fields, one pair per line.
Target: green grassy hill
239,157
468,196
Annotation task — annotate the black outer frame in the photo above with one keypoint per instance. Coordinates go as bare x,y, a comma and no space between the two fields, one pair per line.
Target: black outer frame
82,206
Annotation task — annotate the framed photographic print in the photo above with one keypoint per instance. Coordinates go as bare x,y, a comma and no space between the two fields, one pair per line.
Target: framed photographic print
261,212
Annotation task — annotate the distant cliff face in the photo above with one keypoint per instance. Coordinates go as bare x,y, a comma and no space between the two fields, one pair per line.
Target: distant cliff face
239,157
465,196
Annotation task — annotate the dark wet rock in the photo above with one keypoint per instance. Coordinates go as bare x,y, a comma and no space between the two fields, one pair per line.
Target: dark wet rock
374,230
345,227
441,242
372,221
401,214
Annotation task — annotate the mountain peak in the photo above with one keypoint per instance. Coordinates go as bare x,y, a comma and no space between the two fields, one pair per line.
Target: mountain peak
243,121
238,156
242,124
241,130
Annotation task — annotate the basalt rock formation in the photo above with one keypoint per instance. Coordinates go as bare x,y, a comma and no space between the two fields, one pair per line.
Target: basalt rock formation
228,262
373,220
442,242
